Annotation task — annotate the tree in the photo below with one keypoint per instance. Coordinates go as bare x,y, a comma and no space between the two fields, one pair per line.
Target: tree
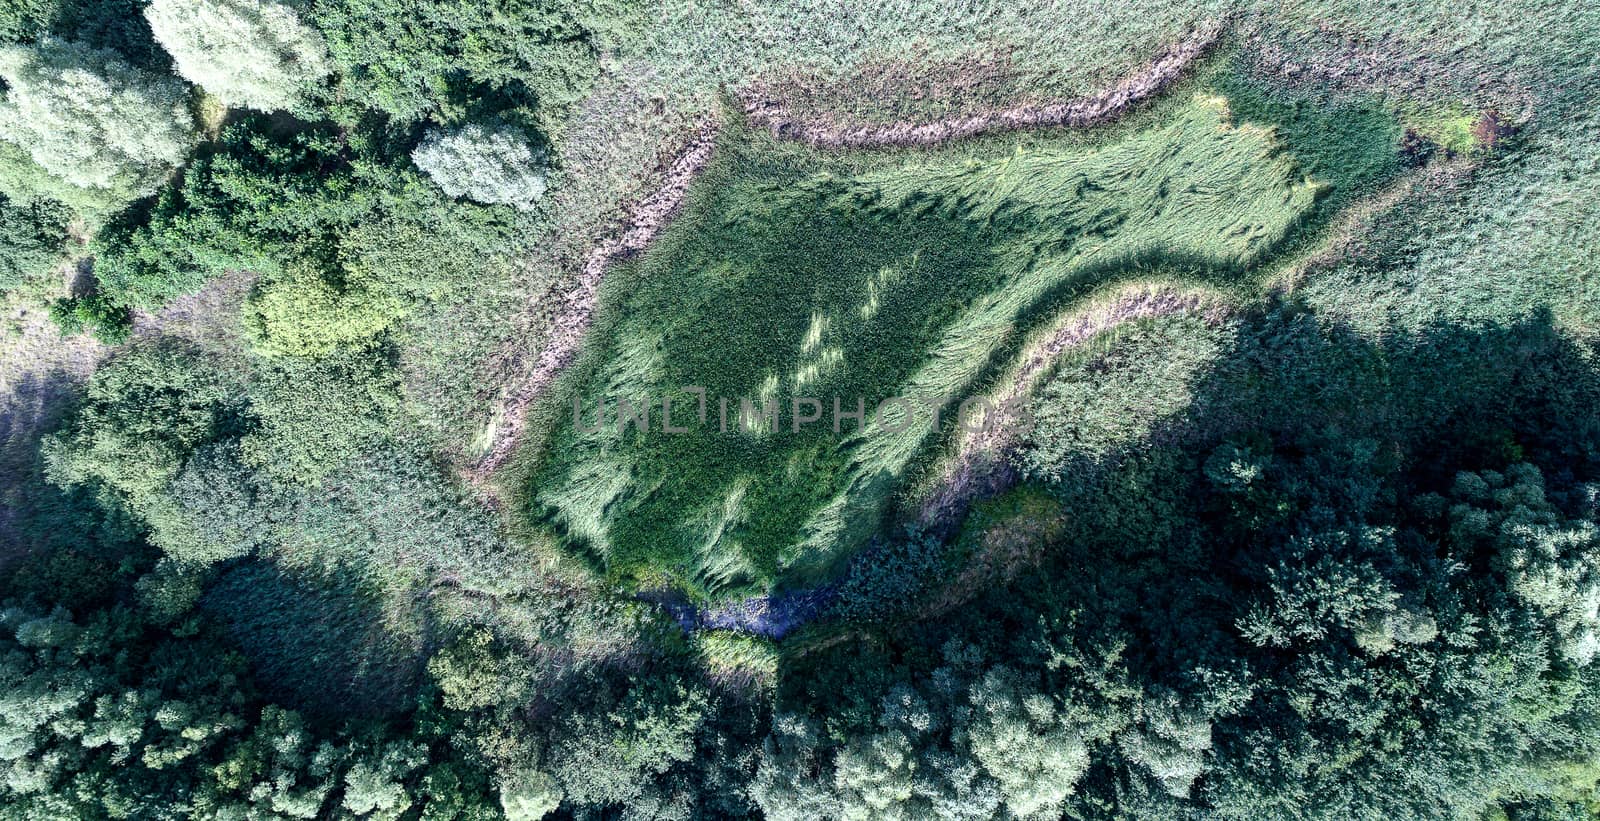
1170,742
92,120
494,166
300,313
252,53
428,57
790,783
1551,564
213,509
874,776
1028,742
314,416
610,755
529,795
144,414
374,786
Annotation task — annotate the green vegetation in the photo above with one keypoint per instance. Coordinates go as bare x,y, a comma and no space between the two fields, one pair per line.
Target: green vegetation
437,58
35,237
256,55
90,119
1348,594
346,242
786,281
495,167
1299,516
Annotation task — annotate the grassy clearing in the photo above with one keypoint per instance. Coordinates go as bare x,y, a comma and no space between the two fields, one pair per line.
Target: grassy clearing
793,274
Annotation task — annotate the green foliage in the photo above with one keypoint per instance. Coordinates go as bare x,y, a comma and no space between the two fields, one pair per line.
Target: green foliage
301,632
1098,403
529,795
106,715
735,657
428,59
312,416
1345,606
345,243
24,19
885,578
141,417
1549,561
299,313
257,55
34,238
91,119
23,181
1330,558
214,509
606,755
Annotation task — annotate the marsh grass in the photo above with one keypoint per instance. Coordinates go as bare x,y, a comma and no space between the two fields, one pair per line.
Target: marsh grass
793,273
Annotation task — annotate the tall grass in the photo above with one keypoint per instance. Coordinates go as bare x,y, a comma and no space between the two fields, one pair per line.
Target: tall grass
797,274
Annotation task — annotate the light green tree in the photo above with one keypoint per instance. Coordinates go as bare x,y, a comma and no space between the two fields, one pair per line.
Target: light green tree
299,313
528,795
374,786
1550,563
874,776
488,165
1028,743
248,53
90,119
1169,741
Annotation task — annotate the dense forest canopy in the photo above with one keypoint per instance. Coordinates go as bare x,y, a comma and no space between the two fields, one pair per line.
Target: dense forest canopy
312,504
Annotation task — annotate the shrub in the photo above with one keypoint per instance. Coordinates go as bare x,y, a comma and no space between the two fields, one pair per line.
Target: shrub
345,242
247,53
301,314
214,509
315,415
490,166
143,414
91,119
33,237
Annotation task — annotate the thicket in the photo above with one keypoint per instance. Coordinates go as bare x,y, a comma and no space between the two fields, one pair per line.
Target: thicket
344,241
442,59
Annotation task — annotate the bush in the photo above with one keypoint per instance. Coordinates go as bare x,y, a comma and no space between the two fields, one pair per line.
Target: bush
489,166
90,119
345,242
300,313
33,238
884,579
254,54
143,414
314,415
